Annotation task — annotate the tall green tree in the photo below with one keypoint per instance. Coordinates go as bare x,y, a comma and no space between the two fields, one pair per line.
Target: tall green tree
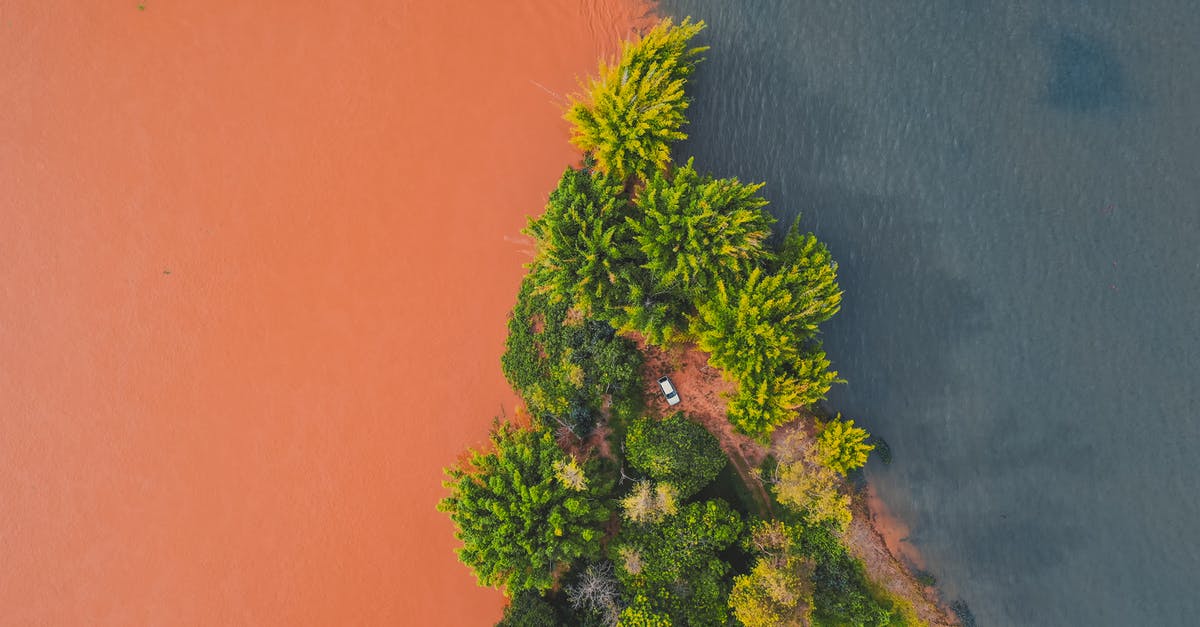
585,251
750,328
676,451
696,230
762,332
842,446
518,516
811,277
635,108
659,314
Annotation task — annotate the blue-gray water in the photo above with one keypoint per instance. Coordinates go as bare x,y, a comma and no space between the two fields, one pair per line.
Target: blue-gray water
1013,192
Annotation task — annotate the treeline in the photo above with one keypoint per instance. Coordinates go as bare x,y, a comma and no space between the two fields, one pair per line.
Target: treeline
640,529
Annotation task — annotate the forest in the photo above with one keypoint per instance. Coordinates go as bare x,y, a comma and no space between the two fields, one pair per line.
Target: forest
596,505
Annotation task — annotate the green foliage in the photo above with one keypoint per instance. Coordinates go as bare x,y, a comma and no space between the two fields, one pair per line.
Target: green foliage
563,364
803,483
658,315
842,446
675,450
841,593
695,230
584,248
812,277
529,609
676,565
777,592
762,333
517,519
770,596
639,614
635,108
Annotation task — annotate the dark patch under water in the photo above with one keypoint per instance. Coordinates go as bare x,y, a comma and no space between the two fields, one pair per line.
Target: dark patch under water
1085,75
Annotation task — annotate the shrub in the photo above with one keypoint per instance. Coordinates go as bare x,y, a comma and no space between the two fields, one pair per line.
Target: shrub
676,451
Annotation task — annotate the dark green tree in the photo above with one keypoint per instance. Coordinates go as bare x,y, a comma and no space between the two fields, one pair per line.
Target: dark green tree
529,609
675,566
563,365
634,109
658,314
585,251
523,509
676,451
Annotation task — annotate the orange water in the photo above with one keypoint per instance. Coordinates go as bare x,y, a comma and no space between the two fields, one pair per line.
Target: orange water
253,282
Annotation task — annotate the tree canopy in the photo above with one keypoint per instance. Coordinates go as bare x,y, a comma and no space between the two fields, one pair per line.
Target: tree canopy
563,364
675,564
633,109
842,446
803,483
777,592
695,230
517,518
584,249
761,332
676,451
528,609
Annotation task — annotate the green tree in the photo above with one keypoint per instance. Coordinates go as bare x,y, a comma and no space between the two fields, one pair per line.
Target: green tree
639,614
762,332
563,365
842,446
636,107
528,609
811,276
777,592
762,335
676,564
695,230
584,248
517,519
659,315
649,503
841,594
675,450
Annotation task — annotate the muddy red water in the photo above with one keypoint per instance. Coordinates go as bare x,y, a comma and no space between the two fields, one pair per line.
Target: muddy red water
253,282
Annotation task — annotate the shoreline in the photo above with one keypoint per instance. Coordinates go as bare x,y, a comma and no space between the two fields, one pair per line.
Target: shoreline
879,538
